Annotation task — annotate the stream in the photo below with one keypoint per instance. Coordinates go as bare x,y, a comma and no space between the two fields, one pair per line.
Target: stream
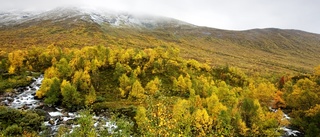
25,99
288,132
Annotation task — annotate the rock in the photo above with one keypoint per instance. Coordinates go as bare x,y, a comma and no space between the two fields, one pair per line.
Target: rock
25,107
48,109
35,97
39,105
60,122
60,118
10,99
66,114
21,89
51,121
2,103
9,94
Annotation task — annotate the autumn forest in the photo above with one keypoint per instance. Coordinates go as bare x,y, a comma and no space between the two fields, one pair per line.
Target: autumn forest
154,83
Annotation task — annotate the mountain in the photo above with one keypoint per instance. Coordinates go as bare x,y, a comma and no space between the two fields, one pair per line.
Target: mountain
262,50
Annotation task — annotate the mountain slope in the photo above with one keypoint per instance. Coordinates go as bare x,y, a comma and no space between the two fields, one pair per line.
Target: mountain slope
260,50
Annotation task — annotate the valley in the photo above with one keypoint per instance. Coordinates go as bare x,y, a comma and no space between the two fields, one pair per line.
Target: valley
153,76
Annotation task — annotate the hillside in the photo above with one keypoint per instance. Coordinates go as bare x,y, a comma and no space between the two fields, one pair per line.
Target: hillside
261,50
78,72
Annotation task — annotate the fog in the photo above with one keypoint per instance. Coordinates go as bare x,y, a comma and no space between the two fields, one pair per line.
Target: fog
223,14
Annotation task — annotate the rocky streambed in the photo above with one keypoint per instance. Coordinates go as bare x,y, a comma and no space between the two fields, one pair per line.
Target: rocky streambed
288,132
24,98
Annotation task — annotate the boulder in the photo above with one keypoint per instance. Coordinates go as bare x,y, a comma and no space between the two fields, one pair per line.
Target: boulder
21,89
51,121
4,103
10,99
66,114
60,118
36,97
25,107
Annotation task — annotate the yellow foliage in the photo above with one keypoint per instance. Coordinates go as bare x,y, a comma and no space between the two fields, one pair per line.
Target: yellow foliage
242,128
153,86
54,61
111,57
16,59
125,85
206,67
204,86
141,118
161,117
304,95
137,91
90,97
137,71
181,115
195,64
11,69
313,111
183,85
45,86
202,122
81,79
64,83
264,92
51,72
214,106
126,56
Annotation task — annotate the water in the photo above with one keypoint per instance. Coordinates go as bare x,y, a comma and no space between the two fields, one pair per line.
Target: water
26,100
288,132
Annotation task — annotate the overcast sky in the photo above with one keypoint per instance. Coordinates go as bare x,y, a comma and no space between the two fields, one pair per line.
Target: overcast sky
223,14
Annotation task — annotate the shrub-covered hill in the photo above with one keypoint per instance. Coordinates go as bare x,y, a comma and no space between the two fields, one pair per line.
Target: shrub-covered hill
169,75
170,95
261,50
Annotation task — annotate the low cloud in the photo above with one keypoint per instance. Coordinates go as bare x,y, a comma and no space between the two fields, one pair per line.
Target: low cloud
232,14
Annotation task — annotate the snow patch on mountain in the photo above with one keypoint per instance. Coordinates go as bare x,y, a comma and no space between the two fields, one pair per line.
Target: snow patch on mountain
120,20
116,19
15,17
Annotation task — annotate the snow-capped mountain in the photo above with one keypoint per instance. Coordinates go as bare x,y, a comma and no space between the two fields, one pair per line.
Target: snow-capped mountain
77,27
116,19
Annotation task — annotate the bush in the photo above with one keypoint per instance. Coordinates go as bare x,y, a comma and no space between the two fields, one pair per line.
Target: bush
13,121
